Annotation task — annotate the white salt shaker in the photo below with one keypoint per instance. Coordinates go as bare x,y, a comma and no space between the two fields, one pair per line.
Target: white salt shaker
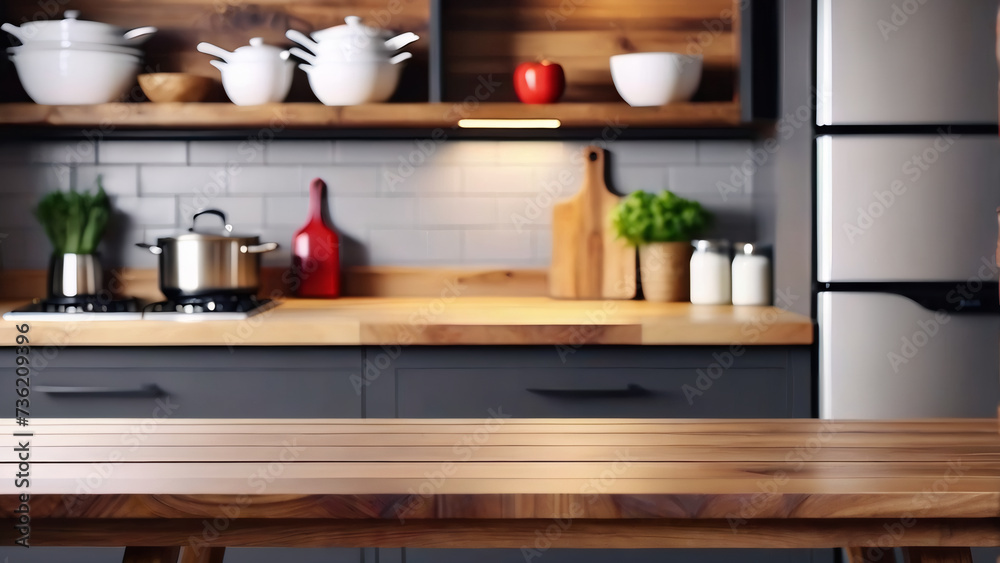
710,272
751,276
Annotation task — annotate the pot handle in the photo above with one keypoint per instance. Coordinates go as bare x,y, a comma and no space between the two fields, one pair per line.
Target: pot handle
152,248
221,215
259,248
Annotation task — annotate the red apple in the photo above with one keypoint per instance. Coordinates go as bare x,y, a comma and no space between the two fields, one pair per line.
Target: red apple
539,83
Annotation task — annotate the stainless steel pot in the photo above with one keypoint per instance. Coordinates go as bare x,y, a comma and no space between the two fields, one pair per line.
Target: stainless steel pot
73,275
201,263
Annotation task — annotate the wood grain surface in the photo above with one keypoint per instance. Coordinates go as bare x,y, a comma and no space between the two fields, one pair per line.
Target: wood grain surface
230,24
588,260
278,117
484,38
513,468
443,319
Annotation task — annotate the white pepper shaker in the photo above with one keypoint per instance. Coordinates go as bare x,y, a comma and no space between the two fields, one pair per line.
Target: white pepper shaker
751,276
710,272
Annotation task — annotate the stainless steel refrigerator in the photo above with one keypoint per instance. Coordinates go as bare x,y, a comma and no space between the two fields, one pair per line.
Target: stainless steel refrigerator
908,182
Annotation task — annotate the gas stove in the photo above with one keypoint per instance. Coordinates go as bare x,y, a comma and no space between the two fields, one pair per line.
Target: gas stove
84,308
92,308
225,307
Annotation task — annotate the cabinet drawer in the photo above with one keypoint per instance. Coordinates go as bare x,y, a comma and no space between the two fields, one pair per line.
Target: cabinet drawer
612,382
193,383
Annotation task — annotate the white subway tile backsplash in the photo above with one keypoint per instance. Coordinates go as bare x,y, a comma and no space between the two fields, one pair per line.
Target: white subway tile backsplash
728,180
49,152
498,179
286,210
413,246
376,152
450,211
298,152
267,180
35,178
723,152
25,248
393,202
625,153
117,179
491,246
424,180
538,152
18,211
207,181
525,213
466,152
626,180
343,180
147,211
359,213
245,214
225,152
142,152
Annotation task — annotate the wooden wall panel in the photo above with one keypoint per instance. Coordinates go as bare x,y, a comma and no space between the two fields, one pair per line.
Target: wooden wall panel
231,23
483,37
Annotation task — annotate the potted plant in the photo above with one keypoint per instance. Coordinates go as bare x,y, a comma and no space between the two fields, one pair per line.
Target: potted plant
74,223
662,227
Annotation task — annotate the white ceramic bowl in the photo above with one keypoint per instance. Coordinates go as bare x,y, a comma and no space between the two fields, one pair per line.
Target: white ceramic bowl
656,79
256,83
73,77
338,83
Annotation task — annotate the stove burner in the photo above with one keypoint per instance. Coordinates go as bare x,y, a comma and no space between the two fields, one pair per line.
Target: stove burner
87,304
209,304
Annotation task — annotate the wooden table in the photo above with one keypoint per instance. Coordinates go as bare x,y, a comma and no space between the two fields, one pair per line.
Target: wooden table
182,490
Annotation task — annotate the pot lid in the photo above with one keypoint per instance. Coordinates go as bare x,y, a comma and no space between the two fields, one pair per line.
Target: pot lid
204,231
73,46
353,31
257,50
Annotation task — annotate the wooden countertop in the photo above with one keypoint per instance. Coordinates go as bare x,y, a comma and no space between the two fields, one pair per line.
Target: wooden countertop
442,321
515,468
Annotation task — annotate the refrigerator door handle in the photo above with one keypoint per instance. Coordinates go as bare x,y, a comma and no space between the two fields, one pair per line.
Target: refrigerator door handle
964,298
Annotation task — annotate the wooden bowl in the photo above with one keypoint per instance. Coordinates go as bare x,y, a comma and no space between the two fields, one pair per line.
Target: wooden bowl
167,87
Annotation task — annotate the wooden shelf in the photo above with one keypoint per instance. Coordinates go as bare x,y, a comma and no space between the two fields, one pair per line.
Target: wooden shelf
406,116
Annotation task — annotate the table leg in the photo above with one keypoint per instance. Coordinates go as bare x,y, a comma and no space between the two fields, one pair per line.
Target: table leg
203,555
151,554
173,555
870,555
937,555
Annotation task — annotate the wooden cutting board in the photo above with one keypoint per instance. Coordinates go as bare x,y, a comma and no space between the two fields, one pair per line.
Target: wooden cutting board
588,262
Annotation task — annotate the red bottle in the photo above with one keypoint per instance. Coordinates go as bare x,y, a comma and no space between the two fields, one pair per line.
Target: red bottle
316,252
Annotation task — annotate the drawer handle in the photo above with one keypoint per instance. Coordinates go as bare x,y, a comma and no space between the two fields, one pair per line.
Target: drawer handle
631,391
150,390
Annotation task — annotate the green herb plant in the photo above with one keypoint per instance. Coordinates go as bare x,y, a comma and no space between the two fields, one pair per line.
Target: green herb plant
74,221
643,218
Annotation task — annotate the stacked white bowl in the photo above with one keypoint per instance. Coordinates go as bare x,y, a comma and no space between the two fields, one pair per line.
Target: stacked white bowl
71,61
353,63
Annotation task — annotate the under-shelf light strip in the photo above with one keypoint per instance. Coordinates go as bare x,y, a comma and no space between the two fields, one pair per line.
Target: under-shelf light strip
509,123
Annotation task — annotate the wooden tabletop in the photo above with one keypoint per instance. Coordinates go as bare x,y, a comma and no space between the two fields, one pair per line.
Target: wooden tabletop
510,468
444,320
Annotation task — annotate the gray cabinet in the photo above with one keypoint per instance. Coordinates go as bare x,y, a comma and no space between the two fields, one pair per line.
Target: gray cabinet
591,382
193,383
600,382
188,382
